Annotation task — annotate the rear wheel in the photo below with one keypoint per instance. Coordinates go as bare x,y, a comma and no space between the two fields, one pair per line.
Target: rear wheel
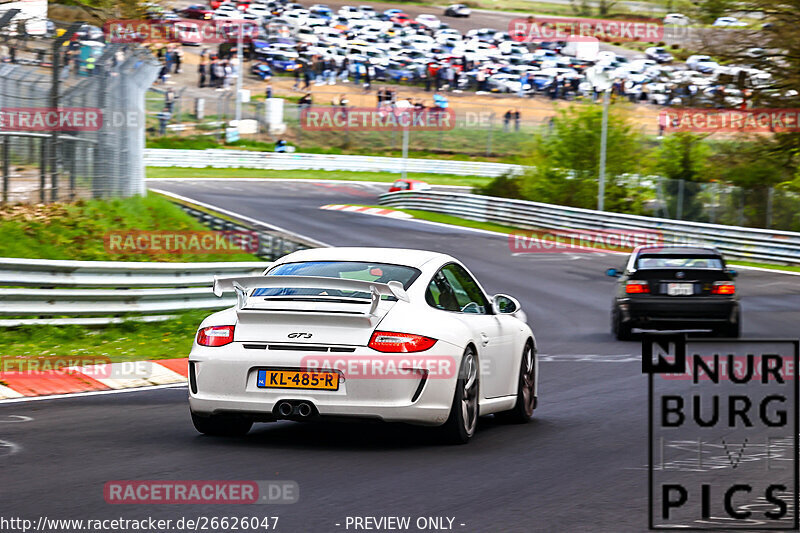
621,330
732,329
526,390
463,419
221,425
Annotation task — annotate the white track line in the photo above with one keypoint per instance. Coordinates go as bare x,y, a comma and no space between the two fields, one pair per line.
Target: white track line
237,215
91,393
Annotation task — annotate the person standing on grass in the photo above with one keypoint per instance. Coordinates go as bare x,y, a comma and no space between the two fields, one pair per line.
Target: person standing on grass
178,59
297,73
517,117
169,99
202,69
268,91
219,70
506,120
163,119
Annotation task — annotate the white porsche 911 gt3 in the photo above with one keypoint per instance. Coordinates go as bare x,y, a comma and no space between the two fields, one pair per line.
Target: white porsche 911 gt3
390,334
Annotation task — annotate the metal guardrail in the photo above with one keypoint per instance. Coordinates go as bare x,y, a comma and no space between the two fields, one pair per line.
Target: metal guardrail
127,274
160,157
43,291
84,289
736,242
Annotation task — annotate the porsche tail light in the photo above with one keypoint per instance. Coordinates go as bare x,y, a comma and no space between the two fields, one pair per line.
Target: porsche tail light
390,342
215,336
637,287
723,287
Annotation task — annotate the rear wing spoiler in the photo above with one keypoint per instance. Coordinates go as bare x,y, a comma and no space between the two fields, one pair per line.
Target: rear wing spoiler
242,285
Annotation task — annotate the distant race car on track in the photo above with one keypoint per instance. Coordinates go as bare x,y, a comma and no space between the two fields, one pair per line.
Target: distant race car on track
379,333
673,288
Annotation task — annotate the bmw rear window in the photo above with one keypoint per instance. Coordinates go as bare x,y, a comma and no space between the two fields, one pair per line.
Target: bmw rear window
645,262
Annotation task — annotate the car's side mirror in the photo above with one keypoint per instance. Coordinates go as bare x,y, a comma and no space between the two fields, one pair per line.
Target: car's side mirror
732,273
613,272
505,305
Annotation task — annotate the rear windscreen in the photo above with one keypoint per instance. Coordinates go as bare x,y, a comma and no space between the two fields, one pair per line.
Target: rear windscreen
362,271
645,262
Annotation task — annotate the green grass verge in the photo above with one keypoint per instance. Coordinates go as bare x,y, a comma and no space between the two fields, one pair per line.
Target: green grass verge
128,341
456,145
433,179
77,230
790,268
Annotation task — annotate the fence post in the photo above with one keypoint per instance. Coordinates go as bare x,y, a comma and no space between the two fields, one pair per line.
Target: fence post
489,135
42,168
6,157
770,194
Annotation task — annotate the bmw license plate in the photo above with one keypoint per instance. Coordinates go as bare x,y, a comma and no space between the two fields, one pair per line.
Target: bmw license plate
680,289
296,379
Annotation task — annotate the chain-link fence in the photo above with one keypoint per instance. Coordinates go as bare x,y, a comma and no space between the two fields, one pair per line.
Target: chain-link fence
478,131
719,203
73,119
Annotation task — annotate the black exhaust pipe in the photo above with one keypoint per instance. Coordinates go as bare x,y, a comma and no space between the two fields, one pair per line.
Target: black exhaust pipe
304,410
285,409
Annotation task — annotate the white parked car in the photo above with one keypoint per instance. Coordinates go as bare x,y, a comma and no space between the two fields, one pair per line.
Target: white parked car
729,22
259,10
429,21
368,11
457,10
702,63
677,19
379,333
351,12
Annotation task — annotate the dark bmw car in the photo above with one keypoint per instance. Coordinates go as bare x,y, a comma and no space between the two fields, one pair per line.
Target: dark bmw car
674,288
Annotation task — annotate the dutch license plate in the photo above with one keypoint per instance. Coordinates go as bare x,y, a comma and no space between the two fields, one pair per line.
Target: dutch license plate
680,289
296,379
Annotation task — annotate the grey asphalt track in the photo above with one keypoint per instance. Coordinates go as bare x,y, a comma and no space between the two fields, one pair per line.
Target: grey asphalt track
580,465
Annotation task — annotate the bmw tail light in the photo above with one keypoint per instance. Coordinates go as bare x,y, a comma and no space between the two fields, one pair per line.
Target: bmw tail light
215,336
723,287
637,287
390,342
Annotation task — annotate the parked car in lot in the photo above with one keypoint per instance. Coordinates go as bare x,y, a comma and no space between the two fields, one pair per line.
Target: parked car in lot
431,346
658,54
457,10
429,21
674,288
702,63
197,12
677,19
729,22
